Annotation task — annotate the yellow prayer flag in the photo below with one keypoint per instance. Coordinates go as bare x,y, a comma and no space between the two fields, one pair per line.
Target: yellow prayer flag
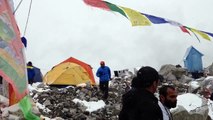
202,34
136,18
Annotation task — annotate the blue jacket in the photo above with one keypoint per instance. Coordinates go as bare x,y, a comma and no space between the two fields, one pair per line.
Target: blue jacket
104,73
30,72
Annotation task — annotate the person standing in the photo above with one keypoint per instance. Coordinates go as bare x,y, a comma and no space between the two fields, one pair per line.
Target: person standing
104,75
168,100
30,72
139,103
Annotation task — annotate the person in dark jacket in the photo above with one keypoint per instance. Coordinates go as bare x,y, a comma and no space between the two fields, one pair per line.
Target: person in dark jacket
139,103
104,75
30,72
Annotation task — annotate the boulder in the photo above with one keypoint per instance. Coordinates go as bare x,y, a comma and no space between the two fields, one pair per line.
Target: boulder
190,110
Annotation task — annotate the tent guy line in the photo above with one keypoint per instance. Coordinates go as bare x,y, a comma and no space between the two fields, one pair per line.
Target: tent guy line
28,17
17,7
142,19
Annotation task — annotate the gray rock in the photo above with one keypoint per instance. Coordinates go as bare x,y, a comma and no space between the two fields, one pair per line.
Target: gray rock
47,102
200,113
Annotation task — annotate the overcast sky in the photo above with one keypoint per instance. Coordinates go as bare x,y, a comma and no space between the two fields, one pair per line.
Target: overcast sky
59,29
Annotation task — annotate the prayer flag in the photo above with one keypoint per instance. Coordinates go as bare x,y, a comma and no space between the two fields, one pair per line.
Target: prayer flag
142,19
12,61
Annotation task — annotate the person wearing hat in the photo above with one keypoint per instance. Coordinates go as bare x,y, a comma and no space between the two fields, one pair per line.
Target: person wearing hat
104,75
139,103
30,72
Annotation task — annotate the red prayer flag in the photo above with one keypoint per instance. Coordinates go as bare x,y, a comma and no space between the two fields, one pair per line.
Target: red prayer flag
184,30
97,3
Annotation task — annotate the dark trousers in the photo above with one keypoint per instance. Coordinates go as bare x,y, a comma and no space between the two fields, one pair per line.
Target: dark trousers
30,81
104,86
211,98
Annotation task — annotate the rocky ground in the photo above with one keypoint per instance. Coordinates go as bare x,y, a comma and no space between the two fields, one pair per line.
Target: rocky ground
57,101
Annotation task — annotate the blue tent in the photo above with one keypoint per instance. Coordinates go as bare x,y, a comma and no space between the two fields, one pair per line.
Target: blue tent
193,60
38,75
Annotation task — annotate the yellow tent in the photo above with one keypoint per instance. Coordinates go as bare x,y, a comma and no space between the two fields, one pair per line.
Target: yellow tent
66,74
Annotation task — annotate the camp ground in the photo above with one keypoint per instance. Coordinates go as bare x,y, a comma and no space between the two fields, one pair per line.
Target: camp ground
125,34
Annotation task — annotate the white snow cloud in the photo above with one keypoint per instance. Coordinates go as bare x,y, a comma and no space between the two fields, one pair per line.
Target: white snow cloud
58,30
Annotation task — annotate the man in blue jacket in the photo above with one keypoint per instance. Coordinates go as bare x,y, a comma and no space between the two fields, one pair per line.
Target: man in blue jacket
30,72
104,75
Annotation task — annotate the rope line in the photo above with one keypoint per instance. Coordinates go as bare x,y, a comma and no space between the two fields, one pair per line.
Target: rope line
17,7
28,18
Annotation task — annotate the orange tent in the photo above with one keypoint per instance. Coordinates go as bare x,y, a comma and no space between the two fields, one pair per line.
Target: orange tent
71,62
